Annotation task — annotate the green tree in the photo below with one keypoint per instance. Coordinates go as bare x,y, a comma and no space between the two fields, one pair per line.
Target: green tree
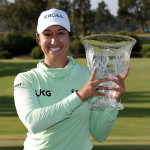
102,13
81,16
22,15
64,5
103,18
76,48
51,4
3,2
17,43
135,12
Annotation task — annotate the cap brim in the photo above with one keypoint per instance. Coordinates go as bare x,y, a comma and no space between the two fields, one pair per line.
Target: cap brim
49,25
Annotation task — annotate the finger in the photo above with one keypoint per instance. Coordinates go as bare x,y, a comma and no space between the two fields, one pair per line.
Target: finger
126,73
118,80
119,90
92,78
103,88
97,82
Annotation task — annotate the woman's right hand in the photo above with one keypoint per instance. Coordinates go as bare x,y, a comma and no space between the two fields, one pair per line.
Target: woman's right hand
92,87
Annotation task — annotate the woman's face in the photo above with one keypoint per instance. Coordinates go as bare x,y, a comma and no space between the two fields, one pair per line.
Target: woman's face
54,43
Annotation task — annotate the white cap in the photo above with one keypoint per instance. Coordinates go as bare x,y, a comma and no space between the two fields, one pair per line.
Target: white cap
52,17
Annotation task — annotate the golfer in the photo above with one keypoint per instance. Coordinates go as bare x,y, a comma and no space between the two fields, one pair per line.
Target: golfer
52,99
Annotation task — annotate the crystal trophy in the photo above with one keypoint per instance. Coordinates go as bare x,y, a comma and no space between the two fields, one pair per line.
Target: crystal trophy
111,55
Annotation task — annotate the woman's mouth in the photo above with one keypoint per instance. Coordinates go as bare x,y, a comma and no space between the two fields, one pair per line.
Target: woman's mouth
55,49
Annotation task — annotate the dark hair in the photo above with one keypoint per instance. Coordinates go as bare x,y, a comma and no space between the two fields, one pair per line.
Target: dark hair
70,34
37,39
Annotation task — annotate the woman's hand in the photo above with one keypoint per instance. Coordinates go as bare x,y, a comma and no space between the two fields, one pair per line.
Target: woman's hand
120,89
91,87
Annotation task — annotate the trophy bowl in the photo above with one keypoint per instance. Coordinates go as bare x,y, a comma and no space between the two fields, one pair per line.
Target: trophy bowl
111,55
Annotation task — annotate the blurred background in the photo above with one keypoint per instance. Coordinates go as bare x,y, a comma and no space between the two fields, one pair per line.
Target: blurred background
18,21
19,52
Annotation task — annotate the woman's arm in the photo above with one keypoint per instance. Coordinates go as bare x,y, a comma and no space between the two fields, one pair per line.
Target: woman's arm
35,117
102,122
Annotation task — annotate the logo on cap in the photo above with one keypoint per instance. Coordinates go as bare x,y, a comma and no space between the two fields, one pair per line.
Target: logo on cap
53,15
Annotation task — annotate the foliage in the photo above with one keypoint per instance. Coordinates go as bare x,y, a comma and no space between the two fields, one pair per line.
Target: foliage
5,54
146,50
17,43
81,16
76,48
36,52
64,5
22,15
84,20
136,51
25,14
134,12
103,18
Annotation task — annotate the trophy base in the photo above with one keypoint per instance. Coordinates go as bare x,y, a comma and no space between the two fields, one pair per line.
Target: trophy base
103,104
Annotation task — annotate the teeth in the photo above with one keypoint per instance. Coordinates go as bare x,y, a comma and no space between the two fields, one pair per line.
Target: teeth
55,49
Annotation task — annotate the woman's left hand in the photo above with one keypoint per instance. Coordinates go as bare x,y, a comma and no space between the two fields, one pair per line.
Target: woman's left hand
120,89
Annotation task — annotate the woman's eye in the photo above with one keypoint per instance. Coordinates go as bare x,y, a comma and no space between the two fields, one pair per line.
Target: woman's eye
47,34
61,33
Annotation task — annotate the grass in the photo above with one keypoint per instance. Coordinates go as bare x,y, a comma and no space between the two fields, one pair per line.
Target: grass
132,130
144,35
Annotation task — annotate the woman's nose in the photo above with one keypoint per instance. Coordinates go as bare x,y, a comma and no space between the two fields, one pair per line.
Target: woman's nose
54,40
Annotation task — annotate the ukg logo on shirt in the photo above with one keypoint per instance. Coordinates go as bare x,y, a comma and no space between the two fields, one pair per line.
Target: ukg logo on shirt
53,15
43,92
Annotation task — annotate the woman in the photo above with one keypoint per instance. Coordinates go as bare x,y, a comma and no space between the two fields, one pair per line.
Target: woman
52,99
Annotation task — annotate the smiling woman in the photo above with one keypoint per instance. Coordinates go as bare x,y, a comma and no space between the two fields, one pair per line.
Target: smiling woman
53,35
54,42
52,99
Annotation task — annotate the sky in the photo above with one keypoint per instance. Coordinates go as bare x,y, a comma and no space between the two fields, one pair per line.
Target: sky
112,5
